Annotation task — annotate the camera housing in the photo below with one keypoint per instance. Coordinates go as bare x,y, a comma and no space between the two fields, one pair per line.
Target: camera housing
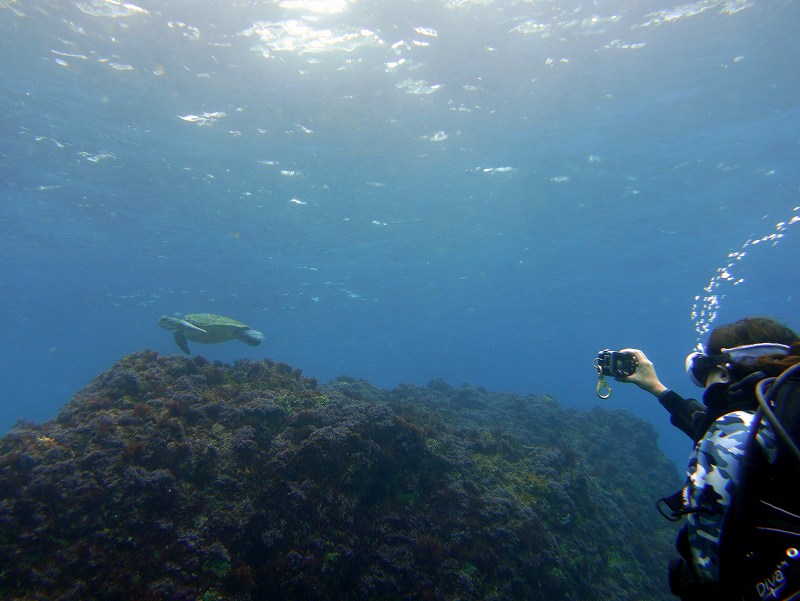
616,364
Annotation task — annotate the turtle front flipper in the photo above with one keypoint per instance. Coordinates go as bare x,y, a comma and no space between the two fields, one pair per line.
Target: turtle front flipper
191,326
180,340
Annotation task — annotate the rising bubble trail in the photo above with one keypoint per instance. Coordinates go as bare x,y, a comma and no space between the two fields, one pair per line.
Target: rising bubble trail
706,306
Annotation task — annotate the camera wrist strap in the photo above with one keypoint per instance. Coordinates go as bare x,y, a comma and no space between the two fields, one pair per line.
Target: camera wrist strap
603,389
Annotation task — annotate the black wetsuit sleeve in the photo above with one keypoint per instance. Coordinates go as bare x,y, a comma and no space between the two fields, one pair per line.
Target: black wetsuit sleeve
685,414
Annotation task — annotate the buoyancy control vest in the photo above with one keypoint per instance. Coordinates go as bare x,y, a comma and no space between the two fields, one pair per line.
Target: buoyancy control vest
759,554
759,547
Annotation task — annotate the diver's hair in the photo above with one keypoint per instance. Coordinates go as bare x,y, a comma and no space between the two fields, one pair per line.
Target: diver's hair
753,330
773,365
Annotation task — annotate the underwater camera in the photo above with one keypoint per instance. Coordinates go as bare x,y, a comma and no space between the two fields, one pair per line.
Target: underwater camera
616,364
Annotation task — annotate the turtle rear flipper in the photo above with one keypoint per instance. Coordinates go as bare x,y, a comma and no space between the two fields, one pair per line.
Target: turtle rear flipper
180,340
251,337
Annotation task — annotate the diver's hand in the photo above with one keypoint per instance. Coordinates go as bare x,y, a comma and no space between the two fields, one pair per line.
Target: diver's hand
645,375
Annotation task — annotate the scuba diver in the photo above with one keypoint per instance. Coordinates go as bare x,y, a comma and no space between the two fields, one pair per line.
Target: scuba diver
718,558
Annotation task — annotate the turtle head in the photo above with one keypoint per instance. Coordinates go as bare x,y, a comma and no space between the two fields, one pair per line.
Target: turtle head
169,323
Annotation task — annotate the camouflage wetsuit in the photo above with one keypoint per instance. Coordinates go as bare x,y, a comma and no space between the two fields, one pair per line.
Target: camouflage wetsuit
712,479
719,426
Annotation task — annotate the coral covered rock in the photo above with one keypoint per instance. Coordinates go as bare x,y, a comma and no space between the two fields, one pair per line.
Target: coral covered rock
174,478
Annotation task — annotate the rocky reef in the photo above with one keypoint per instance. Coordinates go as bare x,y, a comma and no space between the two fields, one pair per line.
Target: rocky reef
172,478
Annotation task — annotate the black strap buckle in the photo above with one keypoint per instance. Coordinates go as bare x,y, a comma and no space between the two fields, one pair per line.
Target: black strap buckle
671,507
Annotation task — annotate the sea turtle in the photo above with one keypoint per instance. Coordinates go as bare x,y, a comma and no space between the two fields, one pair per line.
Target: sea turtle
209,328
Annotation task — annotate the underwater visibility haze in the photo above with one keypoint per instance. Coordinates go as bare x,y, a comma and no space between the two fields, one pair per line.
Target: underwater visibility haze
484,191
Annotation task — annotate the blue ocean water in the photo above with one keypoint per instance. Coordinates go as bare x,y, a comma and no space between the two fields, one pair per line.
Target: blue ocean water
487,191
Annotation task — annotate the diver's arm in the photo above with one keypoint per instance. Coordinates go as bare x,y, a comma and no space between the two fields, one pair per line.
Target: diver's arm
684,414
681,411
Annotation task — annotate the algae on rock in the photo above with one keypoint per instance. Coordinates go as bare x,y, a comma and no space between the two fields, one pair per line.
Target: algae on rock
173,478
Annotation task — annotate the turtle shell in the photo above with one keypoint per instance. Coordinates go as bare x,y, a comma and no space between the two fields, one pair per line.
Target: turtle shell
218,327
201,320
